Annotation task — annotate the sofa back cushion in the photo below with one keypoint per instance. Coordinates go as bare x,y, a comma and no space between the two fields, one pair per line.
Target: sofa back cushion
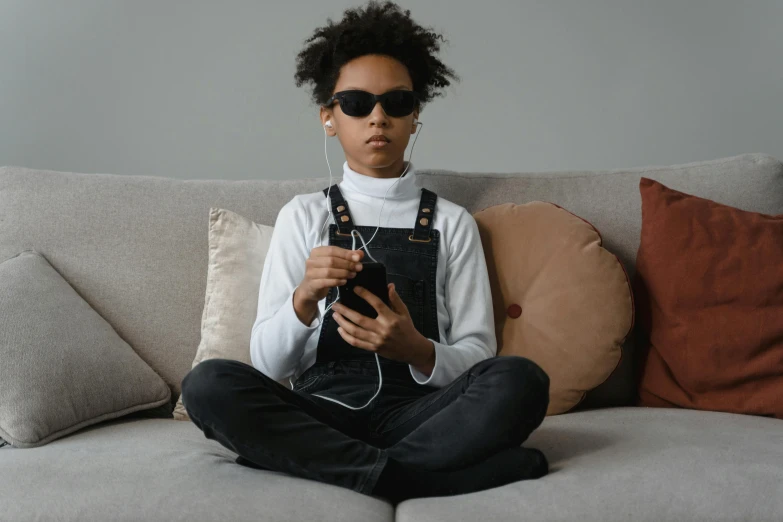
135,247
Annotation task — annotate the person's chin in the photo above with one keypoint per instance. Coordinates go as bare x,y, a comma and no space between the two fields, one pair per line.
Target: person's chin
379,158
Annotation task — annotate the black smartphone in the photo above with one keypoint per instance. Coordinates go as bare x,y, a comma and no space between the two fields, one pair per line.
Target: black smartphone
372,277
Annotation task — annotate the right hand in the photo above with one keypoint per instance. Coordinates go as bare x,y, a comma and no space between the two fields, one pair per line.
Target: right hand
326,267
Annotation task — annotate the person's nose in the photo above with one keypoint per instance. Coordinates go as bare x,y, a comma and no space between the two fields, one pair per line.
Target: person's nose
378,117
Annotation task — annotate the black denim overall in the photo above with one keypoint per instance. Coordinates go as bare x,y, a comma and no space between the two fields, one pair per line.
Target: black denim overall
493,405
411,260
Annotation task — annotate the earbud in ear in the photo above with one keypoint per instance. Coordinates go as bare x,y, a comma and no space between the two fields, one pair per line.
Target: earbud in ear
328,124
415,121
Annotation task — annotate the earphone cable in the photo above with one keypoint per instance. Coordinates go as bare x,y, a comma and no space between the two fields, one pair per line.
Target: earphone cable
353,247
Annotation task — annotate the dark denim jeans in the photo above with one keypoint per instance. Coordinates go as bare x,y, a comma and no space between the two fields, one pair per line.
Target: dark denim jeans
494,405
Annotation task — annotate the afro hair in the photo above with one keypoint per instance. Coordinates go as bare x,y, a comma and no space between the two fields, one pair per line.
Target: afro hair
377,29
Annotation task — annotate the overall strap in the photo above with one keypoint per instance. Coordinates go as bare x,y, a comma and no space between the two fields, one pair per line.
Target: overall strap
342,216
425,217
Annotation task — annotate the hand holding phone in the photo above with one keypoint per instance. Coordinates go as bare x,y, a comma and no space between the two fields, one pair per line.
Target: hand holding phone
373,278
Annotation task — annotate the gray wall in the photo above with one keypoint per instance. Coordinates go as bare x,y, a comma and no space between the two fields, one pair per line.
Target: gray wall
204,89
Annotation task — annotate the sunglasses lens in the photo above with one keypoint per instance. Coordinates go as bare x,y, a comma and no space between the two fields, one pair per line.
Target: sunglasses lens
361,103
356,103
399,103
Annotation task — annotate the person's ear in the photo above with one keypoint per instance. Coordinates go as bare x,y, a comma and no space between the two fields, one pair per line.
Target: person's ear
415,120
327,122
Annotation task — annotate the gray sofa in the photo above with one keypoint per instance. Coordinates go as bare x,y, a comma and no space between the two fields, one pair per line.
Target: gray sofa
135,248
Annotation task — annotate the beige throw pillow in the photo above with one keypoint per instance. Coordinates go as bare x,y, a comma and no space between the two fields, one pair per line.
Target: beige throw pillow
560,298
237,250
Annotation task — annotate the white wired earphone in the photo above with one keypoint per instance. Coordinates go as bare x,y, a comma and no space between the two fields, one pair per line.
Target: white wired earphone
353,247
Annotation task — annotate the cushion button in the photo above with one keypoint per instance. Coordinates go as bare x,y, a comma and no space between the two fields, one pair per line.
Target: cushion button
514,311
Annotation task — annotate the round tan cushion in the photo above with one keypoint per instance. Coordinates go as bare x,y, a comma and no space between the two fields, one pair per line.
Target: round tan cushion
560,298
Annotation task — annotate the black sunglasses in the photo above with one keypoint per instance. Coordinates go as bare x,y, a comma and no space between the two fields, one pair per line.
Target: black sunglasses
361,103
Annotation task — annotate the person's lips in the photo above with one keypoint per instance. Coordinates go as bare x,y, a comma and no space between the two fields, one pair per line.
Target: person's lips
378,138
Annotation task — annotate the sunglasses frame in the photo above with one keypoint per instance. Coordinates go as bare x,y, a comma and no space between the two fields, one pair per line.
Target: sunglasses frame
375,99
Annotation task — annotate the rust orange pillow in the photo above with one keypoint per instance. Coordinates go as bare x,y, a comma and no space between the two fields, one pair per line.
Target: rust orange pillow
709,292
559,297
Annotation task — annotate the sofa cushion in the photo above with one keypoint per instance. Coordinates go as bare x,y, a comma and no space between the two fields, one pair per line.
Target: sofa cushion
134,246
639,464
559,297
62,366
160,469
237,250
709,287
619,464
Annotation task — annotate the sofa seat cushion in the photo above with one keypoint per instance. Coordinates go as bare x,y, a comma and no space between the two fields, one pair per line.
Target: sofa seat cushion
640,464
162,469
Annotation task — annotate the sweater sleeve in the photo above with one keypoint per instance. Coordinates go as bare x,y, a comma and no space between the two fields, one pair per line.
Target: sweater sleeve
471,336
278,337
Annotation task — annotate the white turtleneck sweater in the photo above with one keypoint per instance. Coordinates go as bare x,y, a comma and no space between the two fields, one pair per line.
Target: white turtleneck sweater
282,346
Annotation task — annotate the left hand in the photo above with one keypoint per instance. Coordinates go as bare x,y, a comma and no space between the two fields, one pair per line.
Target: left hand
391,334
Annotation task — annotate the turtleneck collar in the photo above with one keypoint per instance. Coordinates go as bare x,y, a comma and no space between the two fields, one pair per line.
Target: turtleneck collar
404,188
